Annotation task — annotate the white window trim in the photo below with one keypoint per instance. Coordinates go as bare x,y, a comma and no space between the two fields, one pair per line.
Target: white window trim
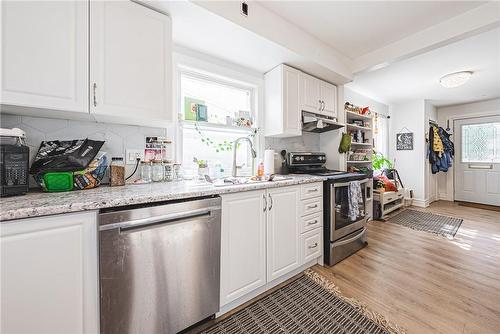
203,66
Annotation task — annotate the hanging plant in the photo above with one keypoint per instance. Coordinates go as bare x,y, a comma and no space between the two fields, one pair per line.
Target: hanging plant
225,146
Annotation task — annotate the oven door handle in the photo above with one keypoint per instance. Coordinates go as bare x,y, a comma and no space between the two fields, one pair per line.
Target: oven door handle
345,184
343,242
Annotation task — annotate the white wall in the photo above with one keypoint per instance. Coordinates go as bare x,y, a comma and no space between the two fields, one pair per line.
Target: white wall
451,113
410,117
431,192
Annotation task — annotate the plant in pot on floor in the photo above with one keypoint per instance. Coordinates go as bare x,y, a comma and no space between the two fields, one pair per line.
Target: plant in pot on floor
379,164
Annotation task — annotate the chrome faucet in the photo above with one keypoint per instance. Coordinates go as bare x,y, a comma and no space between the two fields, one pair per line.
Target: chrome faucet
254,154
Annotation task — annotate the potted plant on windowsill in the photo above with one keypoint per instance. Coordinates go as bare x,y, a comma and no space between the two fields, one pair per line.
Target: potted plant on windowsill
202,168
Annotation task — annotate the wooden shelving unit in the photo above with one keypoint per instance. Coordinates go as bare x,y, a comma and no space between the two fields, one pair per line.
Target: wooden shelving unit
366,144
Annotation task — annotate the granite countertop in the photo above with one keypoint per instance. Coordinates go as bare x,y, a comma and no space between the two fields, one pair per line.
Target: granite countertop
38,203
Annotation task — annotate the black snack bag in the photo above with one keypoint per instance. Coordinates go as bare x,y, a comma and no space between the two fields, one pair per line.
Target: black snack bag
65,156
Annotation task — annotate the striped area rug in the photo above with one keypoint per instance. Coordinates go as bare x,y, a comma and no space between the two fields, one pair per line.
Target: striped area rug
428,222
310,304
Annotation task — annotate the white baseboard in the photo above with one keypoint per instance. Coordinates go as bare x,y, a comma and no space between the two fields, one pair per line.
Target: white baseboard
249,296
422,203
445,197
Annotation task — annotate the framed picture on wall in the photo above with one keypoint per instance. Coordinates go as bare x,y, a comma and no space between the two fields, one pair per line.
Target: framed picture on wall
404,141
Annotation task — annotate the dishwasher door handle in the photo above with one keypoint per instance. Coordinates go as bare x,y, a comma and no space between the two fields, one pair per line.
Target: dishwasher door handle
158,220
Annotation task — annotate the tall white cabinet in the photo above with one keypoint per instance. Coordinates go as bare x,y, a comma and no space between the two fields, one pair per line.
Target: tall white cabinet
282,231
45,55
130,62
243,247
283,114
49,278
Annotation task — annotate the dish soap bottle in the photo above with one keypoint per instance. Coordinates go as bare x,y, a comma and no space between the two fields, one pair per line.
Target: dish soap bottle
260,170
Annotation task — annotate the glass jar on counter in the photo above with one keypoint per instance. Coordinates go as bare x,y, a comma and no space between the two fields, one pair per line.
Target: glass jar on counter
146,171
117,172
157,171
169,172
177,172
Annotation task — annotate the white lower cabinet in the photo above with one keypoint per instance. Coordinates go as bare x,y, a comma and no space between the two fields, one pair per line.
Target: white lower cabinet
49,276
266,238
243,244
282,231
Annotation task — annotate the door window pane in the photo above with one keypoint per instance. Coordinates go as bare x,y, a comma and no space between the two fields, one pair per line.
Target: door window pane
481,143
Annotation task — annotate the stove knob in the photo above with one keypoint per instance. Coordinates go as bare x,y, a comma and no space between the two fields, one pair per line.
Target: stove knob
297,158
302,158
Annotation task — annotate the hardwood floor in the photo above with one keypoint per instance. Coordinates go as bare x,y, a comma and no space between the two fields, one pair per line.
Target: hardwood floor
426,283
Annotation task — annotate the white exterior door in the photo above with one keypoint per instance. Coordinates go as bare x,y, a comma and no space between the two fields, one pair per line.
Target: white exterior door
283,253
130,56
45,54
477,163
310,93
49,277
243,244
329,99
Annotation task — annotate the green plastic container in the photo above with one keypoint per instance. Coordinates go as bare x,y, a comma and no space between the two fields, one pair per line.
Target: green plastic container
58,181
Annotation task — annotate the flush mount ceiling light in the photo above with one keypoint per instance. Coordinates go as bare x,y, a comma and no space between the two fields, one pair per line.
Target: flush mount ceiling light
455,79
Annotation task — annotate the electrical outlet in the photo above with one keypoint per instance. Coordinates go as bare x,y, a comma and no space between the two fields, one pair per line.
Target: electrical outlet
132,155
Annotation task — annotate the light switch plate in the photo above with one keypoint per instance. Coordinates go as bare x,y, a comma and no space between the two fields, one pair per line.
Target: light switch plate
132,155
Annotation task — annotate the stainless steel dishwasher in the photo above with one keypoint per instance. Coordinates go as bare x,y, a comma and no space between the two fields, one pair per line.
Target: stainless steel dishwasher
159,266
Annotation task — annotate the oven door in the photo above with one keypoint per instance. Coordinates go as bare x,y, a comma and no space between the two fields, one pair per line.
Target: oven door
342,222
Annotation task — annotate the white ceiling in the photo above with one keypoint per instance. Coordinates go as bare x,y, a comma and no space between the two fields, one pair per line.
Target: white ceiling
198,29
418,77
355,28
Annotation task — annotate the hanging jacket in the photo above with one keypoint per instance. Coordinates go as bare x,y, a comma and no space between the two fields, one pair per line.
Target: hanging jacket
437,144
440,150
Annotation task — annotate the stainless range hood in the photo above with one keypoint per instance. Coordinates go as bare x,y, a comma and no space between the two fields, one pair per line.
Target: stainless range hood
319,123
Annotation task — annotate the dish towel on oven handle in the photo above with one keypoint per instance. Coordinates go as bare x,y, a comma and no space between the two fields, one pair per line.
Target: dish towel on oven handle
355,198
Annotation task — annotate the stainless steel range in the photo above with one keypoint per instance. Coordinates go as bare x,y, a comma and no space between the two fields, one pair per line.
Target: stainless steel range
344,231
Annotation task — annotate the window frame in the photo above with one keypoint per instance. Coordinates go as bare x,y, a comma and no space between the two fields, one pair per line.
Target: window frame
215,70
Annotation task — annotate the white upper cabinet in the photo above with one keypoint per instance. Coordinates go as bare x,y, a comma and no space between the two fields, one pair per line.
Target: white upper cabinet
317,96
329,99
283,252
131,63
49,276
310,93
45,55
283,115
243,244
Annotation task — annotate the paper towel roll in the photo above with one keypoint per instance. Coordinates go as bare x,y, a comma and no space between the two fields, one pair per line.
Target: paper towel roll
268,162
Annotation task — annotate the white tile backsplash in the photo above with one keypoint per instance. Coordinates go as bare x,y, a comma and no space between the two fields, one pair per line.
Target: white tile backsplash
307,142
117,137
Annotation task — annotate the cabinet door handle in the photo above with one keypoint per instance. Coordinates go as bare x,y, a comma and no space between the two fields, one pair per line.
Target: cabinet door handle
313,246
315,221
94,88
323,102
270,202
312,206
312,190
265,202
319,108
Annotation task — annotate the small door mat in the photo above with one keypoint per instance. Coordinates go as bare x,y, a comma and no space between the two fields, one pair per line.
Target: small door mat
309,304
428,222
